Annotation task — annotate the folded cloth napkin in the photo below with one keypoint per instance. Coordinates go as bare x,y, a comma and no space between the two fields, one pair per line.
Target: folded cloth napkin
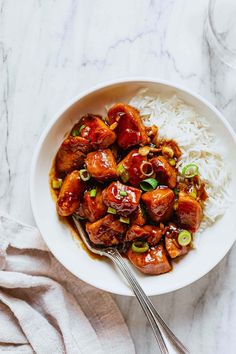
45,309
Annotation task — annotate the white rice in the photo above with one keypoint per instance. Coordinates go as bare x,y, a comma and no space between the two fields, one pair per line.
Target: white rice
179,121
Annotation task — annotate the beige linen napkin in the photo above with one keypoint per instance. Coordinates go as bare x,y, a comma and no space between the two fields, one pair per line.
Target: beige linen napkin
45,309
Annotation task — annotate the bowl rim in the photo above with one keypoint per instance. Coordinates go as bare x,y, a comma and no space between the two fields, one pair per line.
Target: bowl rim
57,115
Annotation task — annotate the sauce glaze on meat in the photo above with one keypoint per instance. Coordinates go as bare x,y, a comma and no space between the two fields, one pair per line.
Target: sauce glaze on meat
116,154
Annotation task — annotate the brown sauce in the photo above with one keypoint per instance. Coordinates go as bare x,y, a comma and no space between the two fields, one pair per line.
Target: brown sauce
120,189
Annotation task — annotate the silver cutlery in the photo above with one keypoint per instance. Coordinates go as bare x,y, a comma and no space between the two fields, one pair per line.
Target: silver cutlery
167,341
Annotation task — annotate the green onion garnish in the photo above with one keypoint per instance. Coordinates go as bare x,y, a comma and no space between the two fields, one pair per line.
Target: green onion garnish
184,238
120,169
166,150
148,184
172,162
122,193
193,193
93,192
85,176
140,246
81,128
176,192
190,170
111,210
125,177
56,183
123,173
124,220
75,132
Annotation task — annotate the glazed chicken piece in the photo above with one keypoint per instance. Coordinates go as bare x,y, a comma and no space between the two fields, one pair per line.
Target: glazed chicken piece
93,208
98,134
136,231
138,217
151,233
130,129
159,203
124,199
70,194
132,168
166,174
101,165
154,261
107,231
174,249
171,242
189,212
71,154
155,234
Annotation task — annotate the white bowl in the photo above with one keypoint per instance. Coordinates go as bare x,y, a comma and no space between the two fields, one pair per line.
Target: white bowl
215,241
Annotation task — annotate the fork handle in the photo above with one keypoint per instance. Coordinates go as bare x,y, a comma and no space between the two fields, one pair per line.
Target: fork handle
167,341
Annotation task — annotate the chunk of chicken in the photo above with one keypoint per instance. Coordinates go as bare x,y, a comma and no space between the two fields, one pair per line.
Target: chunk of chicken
155,234
130,129
71,154
124,199
101,165
136,231
138,217
70,194
107,231
93,207
92,128
151,233
132,167
159,203
173,248
154,261
166,174
189,212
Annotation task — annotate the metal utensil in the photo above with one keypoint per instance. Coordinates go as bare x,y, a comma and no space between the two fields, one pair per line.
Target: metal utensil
167,341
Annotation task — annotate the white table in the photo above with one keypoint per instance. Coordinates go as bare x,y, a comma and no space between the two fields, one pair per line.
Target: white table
51,50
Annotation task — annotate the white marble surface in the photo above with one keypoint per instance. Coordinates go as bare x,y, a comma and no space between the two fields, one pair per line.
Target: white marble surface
50,50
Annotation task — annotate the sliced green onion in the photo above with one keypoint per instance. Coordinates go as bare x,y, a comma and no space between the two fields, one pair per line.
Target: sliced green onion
125,177
123,173
124,220
111,210
176,192
93,192
190,170
172,162
81,128
75,132
120,169
123,193
184,238
140,246
148,184
193,193
56,183
166,150
85,176
146,168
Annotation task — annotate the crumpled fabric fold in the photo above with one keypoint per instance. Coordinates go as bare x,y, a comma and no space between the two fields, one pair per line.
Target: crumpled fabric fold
45,309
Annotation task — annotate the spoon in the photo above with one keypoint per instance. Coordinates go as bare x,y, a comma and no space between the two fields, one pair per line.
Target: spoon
167,341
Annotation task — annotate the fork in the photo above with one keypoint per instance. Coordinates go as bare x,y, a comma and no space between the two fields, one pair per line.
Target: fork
167,341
